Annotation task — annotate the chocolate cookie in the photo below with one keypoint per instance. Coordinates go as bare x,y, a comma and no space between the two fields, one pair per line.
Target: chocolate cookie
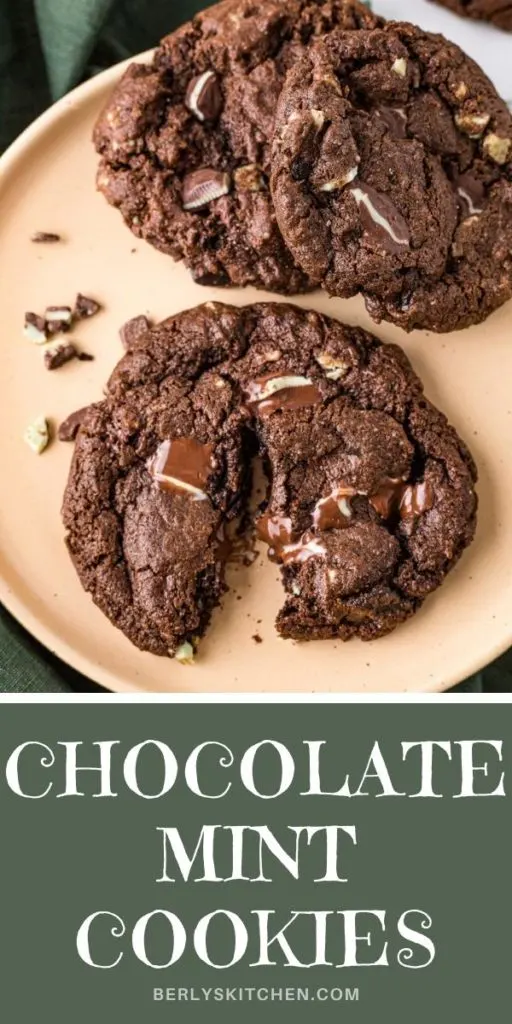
392,176
158,468
371,493
185,140
498,12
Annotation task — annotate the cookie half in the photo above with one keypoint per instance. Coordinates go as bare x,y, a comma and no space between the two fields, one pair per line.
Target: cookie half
158,468
371,497
185,140
498,12
392,176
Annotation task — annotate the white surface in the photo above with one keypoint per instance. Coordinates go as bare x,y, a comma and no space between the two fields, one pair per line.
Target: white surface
489,46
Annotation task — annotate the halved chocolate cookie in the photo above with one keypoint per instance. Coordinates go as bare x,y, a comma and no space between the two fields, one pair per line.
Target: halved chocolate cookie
185,140
158,468
392,176
371,496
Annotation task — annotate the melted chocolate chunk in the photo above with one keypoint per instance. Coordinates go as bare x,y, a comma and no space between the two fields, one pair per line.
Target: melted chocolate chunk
416,499
396,120
284,545
471,195
183,464
382,222
386,499
335,511
268,394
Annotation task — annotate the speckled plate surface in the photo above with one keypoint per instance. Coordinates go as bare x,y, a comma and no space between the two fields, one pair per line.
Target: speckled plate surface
47,183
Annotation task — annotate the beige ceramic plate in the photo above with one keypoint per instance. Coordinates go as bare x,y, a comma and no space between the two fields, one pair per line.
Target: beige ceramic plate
47,183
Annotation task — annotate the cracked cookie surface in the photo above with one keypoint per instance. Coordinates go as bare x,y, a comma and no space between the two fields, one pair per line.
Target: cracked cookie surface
392,176
370,500
185,140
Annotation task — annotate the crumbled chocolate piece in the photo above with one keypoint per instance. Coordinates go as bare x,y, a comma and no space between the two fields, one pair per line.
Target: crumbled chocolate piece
35,328
37,435
71,425
45,236
85,307
59,319
134,329
85,357
257,638
56,357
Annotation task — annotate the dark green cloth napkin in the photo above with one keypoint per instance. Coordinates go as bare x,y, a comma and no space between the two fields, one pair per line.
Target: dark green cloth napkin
46,48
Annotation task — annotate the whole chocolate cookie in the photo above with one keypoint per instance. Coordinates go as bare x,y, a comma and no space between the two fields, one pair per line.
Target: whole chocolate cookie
371,493
498,12
185,140
392,176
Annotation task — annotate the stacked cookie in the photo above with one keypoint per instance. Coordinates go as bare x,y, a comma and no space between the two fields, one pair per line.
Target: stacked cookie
387,171
292,146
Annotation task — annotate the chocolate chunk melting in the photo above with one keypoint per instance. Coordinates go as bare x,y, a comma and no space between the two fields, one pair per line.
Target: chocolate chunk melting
183,464
267,394
381,220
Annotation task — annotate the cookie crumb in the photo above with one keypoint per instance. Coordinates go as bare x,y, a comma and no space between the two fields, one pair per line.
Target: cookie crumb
185,654
35,328
45,237
58,319
134,329
37,435
59,355
85,307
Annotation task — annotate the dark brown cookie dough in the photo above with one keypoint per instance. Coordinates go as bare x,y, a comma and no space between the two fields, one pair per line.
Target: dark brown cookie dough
185,140
371,493
392,176
498,12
